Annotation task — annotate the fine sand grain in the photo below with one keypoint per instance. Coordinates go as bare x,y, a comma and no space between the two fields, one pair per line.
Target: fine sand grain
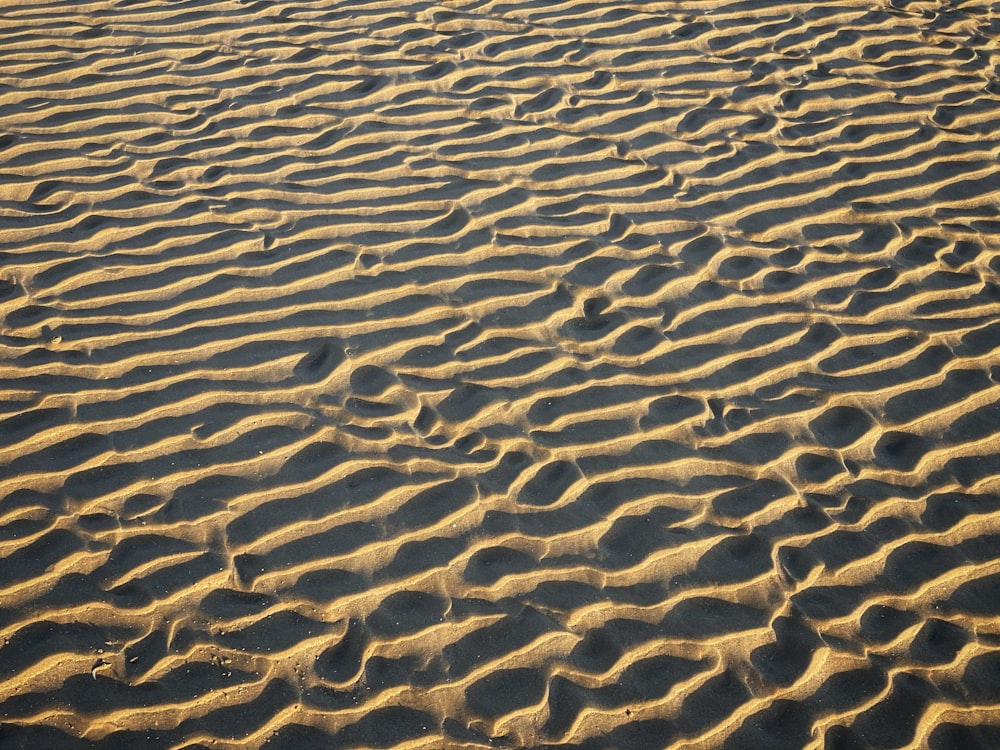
499,374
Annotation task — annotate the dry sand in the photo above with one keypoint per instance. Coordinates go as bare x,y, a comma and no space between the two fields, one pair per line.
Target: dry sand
499,374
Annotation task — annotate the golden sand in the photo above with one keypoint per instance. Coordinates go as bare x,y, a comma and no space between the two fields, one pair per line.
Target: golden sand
499,374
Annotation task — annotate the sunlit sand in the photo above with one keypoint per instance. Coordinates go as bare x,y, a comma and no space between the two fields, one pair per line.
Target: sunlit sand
499,374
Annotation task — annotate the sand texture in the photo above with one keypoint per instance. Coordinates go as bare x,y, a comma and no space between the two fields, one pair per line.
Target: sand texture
499,374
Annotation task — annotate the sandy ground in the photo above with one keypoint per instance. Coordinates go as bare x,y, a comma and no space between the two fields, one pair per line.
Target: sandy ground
499,374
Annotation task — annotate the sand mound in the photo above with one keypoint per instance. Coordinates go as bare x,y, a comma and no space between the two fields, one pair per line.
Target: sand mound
477,374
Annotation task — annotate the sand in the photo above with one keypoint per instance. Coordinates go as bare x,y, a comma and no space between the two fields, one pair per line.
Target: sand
499,374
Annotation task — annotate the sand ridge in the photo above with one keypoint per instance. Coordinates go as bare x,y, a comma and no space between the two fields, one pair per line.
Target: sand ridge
476,374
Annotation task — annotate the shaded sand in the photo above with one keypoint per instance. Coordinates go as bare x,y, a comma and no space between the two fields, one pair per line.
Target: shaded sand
499,374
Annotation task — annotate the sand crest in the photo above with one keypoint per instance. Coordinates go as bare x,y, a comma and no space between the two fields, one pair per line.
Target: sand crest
499,374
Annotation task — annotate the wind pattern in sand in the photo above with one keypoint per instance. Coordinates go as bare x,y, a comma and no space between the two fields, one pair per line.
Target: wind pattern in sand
499,374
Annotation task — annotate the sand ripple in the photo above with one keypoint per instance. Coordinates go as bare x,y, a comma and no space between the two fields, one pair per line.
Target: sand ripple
485,374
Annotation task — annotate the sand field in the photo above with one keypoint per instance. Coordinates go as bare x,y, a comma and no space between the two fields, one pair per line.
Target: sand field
472,374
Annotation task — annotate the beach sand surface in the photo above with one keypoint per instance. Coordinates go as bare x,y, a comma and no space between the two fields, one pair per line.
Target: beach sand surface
472,374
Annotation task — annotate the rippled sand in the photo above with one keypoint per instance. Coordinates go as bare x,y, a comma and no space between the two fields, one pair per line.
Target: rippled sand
499,374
